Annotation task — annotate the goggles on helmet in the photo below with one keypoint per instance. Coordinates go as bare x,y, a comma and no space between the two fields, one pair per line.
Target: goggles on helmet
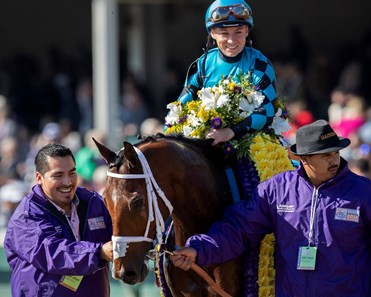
240,11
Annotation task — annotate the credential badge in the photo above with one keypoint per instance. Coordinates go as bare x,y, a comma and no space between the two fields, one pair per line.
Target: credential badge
347,214
96,223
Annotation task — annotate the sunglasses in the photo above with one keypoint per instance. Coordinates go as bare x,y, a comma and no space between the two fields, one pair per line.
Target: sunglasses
240,11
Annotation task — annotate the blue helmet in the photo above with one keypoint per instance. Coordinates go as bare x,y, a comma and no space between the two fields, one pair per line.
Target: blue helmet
224,13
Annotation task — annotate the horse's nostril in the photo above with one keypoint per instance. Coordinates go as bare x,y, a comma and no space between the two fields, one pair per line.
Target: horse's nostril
130,277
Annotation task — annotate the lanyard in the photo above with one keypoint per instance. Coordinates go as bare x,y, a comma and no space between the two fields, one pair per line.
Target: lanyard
313,208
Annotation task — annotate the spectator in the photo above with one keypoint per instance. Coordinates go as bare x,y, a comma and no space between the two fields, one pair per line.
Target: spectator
84,97
99,178
133,109
10,160
300,116
360,167
88,157
11,195
151,126
365,130
7,125
346,112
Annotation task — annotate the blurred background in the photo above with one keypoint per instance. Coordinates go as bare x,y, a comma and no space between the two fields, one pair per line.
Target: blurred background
70,70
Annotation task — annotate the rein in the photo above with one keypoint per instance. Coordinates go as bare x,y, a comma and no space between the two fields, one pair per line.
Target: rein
121,243
160,251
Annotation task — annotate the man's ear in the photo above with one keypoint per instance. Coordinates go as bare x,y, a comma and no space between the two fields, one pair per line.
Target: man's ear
304,159
39,178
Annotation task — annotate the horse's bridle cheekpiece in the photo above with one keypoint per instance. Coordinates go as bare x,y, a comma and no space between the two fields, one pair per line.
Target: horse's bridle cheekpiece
121,243
318,138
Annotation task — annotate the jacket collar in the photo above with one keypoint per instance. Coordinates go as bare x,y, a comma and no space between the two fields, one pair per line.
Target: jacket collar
40,198
230,59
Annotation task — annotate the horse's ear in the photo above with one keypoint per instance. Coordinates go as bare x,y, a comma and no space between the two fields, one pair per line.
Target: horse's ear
108,155
130,154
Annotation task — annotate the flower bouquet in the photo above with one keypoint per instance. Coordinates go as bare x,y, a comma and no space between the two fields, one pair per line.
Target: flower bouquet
224,105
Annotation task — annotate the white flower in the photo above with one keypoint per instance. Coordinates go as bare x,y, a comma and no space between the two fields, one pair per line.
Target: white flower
246,108
174,113
256,98
280,125
187,130
222,100
212,100
193,120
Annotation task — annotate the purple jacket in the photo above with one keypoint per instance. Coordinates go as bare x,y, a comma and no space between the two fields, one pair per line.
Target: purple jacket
41,248
341,233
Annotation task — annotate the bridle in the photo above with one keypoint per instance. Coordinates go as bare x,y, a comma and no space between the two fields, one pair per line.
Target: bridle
121,243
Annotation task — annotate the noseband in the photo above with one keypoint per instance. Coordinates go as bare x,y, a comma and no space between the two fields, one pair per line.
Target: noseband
121,243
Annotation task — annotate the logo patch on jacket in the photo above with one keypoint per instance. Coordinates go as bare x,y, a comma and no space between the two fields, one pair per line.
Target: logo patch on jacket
347,214
285,208
96,223
59,229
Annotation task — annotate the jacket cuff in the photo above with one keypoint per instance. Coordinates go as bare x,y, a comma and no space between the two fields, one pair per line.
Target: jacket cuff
101,262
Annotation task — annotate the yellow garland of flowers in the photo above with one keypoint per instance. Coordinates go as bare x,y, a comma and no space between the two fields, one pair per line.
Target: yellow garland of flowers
270,158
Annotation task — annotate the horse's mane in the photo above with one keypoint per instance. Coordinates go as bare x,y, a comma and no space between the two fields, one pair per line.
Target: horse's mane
203,146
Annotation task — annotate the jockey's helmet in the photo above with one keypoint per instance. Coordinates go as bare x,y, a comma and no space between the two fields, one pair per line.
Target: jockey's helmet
228,13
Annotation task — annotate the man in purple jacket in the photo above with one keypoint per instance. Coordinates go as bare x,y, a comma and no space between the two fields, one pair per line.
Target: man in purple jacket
58,240
320,215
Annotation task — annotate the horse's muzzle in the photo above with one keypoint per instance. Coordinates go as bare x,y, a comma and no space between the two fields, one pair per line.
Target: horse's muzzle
132,275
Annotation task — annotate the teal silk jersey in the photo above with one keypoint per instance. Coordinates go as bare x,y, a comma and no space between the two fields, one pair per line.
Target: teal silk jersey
217,66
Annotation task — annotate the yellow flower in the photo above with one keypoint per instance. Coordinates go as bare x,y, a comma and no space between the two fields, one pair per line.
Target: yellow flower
193,105
231,85
203,115
270,158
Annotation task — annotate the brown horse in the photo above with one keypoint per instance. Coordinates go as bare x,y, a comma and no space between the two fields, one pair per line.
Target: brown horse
158,177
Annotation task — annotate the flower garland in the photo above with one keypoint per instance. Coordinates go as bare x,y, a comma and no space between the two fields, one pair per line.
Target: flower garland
270,158
159,270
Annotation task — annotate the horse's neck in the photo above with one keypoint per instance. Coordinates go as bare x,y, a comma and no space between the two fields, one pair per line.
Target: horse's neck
194,216
194,189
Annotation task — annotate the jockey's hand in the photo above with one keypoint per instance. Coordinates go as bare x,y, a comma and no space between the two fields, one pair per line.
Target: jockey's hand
184,257
221,135
107,251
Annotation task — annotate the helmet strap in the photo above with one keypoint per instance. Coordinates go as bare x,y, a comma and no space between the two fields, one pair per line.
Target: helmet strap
209,44
249,41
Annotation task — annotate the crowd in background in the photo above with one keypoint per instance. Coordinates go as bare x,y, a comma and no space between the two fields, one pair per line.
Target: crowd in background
37,108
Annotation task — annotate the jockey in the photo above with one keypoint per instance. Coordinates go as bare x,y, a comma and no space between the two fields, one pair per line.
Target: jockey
228,23
229,54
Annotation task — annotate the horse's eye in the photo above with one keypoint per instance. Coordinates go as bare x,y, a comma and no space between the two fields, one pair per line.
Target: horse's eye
138,203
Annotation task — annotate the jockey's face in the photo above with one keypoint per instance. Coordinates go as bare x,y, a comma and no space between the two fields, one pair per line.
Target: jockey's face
230,40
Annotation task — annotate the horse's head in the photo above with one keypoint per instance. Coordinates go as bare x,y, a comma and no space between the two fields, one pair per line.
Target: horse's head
129,198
